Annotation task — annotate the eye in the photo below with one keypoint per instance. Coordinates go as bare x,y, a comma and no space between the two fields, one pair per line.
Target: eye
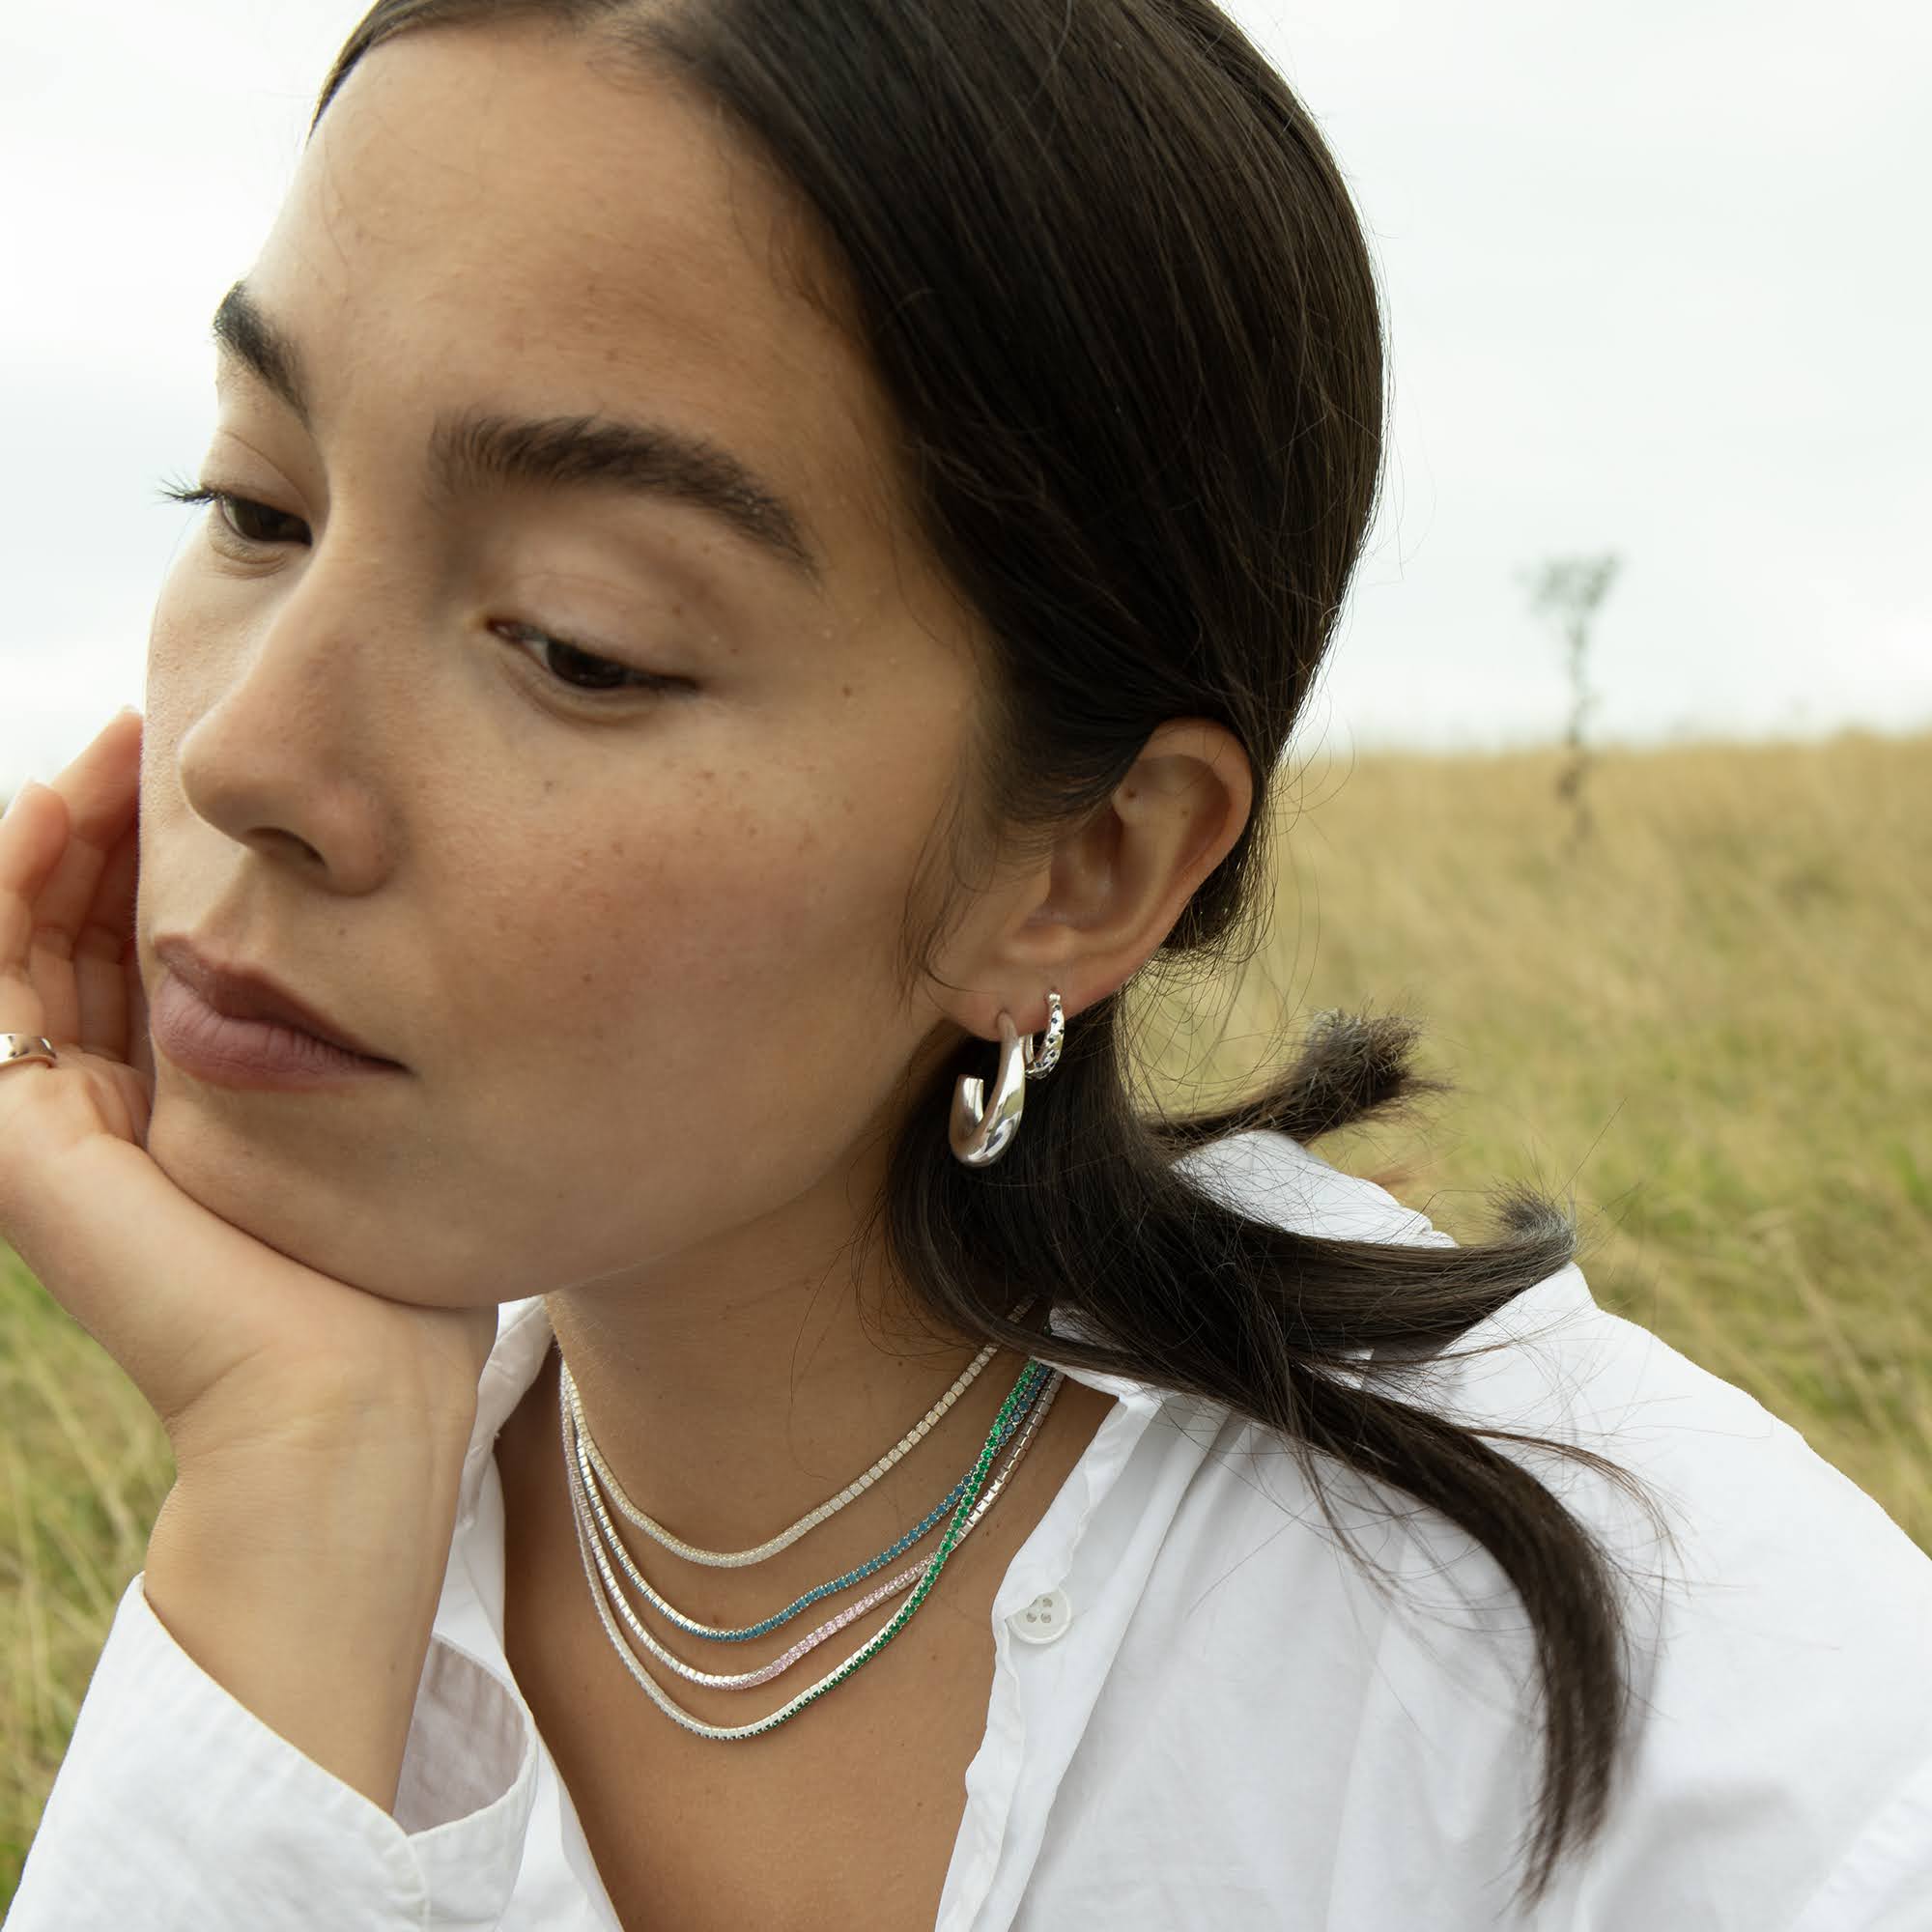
251,521
256,523
582,671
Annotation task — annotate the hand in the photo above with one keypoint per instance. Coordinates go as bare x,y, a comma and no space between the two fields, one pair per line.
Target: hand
236,1346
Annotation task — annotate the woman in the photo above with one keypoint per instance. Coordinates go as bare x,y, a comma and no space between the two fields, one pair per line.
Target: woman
760,557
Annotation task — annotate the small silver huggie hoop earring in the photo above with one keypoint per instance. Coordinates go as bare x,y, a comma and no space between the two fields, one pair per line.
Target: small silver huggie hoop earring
981,1130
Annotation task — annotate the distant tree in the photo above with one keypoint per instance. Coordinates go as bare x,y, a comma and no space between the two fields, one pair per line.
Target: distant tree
1570,589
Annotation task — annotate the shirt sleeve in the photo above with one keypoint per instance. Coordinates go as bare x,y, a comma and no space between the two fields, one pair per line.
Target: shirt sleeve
176,1806
1883,1884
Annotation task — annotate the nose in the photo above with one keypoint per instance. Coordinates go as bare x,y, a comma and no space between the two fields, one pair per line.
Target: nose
284,755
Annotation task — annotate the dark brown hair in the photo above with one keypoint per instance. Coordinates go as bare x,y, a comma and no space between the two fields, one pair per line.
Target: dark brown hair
1111,281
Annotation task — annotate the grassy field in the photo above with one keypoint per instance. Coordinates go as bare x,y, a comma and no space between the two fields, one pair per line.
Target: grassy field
1709,1025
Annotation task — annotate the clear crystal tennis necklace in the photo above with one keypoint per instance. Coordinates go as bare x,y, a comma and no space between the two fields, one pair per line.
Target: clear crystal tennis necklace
1019,1419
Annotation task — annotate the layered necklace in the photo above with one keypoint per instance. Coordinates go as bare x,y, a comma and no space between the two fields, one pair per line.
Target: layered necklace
967,1500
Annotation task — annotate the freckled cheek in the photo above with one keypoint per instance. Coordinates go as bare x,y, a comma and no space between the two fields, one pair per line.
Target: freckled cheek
713,936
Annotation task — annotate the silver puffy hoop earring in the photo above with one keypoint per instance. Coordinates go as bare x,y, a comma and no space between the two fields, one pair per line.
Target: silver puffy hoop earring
983,1131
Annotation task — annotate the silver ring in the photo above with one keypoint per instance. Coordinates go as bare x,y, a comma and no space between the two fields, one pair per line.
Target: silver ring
17,1049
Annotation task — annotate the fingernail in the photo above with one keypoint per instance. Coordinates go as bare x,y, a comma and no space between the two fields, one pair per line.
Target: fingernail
15,800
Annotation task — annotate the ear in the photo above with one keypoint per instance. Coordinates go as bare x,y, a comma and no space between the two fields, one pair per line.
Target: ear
1091,914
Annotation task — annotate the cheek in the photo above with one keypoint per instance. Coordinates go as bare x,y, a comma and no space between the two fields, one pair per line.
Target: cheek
178,619
709,933
172,699
760,900
692,1020
196,642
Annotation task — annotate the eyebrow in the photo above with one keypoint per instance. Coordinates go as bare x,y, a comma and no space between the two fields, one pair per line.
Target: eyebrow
473,448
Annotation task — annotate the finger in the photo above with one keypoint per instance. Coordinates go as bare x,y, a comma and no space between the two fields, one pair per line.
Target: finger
32,838
101,788
95,781
100,987
140,1054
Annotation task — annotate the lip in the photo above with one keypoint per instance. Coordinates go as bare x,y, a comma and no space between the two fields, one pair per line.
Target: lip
239,1027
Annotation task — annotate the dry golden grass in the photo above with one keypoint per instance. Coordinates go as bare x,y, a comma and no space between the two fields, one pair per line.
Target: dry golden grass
1712,1025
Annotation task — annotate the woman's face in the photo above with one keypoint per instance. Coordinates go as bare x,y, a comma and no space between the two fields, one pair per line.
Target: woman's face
635,950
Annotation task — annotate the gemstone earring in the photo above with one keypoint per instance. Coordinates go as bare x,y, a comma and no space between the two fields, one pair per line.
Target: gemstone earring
981,1131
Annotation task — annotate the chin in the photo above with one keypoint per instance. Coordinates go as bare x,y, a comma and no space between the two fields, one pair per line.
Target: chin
385,1242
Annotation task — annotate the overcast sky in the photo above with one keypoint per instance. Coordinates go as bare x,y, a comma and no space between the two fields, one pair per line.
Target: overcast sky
1656,280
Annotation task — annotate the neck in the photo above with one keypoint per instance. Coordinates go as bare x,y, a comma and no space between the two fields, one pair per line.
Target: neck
732,1393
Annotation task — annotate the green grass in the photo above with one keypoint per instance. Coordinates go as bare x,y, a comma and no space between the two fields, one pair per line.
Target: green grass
83,1468
1709,1026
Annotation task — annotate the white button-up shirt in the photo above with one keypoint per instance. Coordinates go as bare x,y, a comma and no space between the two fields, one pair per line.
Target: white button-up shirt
1203,1719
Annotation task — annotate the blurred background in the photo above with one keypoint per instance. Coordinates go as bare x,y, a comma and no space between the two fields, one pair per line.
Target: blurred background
1619,783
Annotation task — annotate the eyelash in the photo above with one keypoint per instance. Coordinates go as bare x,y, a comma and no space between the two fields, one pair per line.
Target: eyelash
229,503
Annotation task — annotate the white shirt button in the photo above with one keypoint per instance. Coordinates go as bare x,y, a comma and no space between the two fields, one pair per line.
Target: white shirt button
1043,1620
